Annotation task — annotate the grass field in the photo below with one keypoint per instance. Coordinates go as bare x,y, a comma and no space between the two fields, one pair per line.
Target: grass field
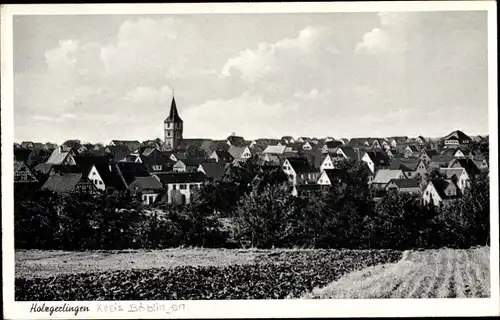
444,273
41,263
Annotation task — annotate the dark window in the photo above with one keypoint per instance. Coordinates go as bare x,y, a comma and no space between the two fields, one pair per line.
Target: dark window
182,187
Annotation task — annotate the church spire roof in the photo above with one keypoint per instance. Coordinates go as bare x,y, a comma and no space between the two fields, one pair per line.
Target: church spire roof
174,114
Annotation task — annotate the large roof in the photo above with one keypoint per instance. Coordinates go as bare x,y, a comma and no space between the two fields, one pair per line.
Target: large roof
405,164
173,116
457,135
406,183
441,185
181,177
386,175
62,183
301,165
132,170
214,170
57,156
275,149
450,172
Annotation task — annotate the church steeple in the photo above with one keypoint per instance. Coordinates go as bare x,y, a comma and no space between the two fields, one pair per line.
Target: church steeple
173,127
174,114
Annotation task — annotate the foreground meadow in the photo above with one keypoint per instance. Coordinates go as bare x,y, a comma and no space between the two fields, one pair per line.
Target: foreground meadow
182,274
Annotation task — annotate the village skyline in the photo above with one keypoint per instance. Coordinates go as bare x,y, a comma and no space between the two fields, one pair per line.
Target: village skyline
315,75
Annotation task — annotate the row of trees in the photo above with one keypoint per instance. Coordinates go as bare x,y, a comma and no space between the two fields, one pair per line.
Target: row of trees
261,213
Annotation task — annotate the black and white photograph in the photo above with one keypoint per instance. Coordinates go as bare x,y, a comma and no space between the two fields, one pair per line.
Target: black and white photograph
281,156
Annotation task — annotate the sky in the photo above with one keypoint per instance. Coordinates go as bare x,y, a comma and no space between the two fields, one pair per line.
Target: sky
103,77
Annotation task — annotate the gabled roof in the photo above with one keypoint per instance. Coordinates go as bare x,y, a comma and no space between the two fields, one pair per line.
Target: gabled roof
274,149
180,177
195,162
441,185
450,172
399,139
26,144
74,144
430,153
468,165
237,141
131,145
334,174
237,152
224,156
173,115
404,164
349,152
22,154
301,165
57,157
118,152
131,170
413,148
386,175
147,183
214,170
62,183
406,183
379,157
333,144
457,135
442,158
197,143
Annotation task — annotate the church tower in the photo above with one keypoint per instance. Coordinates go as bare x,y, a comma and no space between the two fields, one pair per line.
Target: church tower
173,127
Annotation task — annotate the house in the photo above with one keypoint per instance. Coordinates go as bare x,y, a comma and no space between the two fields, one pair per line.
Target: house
412,186
27,145
382,179
299,170
274,149
395,141
359,142
440,161
481,162
25,182
330,161
467,164
331,146
268,159
23,174
421,140
189,164
375,143
457,139
68,183
240,153
222,156
131,145
181,186
236,141
426,155
440,192
454,152
215,170
376,160
302,139
308,145
345,141
287,139
458,175
330,177
411,150
138,181
59,157
413,168
149,188
118,153
348,153
31,157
